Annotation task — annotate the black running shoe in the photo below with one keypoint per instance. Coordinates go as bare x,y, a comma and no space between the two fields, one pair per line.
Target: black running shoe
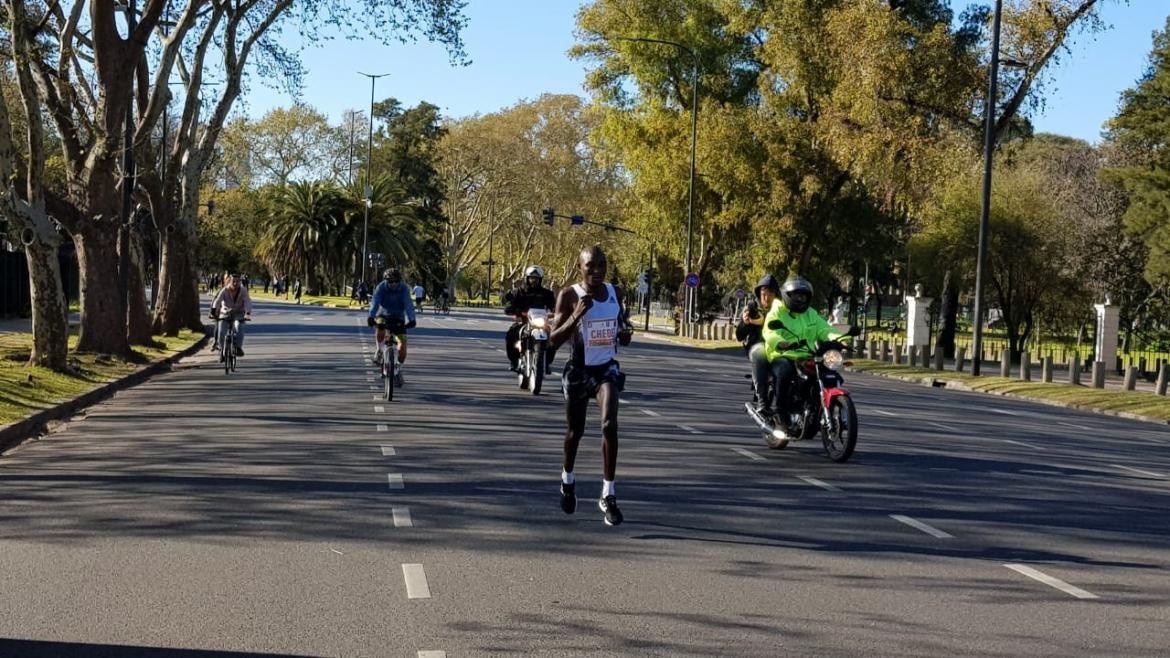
608,505
568,497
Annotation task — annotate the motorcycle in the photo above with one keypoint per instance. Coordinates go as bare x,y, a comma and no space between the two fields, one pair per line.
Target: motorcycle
817,402
533,347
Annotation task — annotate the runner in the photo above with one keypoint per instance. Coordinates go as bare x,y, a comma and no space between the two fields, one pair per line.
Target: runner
590,316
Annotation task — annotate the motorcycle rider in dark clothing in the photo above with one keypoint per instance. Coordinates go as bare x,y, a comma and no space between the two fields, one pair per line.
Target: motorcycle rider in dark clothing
532,294
750,332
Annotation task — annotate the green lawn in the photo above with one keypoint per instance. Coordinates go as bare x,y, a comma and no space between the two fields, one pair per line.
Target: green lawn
309,300
1135,402
25,390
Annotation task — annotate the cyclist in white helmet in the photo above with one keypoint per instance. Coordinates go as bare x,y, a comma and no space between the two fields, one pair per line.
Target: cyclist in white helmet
532,294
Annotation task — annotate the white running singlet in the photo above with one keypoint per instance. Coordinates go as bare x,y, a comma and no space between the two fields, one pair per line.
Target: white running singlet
599,327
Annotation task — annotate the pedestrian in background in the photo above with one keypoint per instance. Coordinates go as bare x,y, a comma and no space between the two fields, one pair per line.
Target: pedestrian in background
297,291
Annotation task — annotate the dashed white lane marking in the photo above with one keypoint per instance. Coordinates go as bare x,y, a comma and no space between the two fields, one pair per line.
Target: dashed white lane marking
1021,443
749,454
919,525
883,412
1139,471
1078,427
817,483
940,426
383,428
402,517
394,481
688,428
416,581
376,397
432,654
650,412
387,451
1006,412
1036,574
379,409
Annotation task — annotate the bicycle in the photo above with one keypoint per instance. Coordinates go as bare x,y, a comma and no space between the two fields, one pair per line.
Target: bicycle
388,352
227,343
441,306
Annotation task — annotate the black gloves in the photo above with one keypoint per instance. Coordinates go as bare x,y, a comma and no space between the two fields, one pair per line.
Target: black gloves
854,330
411,325
370,322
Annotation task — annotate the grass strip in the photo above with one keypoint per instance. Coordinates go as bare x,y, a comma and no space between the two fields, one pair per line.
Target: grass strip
1140,403
26,390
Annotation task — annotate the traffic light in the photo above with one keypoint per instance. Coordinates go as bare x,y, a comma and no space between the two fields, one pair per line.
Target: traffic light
577,220
649,274
549,215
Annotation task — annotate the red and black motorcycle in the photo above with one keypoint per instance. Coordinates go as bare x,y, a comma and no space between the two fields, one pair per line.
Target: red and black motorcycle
817,401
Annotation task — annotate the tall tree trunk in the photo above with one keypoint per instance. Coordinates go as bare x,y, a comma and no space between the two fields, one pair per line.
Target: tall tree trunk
138,325
103,315
948,316
50,326
178,306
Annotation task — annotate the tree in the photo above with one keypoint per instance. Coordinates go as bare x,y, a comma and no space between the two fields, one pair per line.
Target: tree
286,144
1141,133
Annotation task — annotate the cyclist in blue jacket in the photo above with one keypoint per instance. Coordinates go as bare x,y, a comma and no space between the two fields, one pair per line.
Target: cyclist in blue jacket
391,310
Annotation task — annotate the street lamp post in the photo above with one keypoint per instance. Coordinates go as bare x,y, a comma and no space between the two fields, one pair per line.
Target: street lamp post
369,166
692,296
985,215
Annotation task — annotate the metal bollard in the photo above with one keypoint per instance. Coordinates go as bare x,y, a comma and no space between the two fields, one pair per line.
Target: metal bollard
1098,374
1047,370
1005,363
1130,377
960,358
1025,366
897,354
871,351
939,359
1163,379
1074,371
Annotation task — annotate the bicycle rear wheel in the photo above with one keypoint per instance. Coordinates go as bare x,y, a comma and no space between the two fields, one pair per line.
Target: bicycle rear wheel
388,372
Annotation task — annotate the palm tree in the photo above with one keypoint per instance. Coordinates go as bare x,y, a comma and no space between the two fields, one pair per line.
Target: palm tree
304,218
395,227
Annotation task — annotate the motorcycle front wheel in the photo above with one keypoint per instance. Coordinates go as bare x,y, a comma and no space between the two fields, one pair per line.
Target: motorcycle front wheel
840,437
536,369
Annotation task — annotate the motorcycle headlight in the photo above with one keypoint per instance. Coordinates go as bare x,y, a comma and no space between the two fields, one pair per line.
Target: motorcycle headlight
833,360
539,323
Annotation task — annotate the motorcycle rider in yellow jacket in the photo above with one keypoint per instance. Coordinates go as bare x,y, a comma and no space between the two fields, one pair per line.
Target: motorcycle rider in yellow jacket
791,332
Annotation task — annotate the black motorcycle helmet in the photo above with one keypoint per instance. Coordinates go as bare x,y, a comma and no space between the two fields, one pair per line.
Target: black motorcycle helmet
392,275
797,294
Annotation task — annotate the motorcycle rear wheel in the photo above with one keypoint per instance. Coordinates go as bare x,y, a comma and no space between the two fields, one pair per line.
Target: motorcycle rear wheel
840,437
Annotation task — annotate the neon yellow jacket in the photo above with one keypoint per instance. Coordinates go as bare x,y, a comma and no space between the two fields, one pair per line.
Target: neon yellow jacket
808,326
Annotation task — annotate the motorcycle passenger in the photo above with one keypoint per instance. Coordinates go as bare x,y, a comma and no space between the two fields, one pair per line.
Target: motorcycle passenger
230,304
750,333
391,310
791,332
532,294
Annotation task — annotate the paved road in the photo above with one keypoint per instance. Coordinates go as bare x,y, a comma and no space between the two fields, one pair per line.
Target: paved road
283,510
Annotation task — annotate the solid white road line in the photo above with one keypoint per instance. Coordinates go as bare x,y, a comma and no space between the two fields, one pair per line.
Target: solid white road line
416,581
432,654
749,454
379,409
690,429
394,481
387,451
1138,471
383,428
817,483
402,517
919,525
649,412
1050,581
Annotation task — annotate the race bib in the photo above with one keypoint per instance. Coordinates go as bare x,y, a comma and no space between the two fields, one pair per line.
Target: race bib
601,333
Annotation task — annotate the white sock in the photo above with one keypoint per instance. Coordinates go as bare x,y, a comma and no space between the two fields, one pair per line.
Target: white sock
567,477
607,488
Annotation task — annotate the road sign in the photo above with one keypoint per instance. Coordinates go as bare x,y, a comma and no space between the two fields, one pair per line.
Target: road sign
739,293
692,280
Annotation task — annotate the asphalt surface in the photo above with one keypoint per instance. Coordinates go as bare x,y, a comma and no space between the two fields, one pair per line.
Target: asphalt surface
283,510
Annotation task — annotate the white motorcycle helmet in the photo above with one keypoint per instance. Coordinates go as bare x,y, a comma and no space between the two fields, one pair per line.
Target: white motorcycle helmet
533,272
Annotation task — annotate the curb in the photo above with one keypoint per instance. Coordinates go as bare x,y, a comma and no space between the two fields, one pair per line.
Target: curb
35,425
956,385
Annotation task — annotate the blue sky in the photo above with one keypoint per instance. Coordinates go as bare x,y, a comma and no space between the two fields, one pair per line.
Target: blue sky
518,51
